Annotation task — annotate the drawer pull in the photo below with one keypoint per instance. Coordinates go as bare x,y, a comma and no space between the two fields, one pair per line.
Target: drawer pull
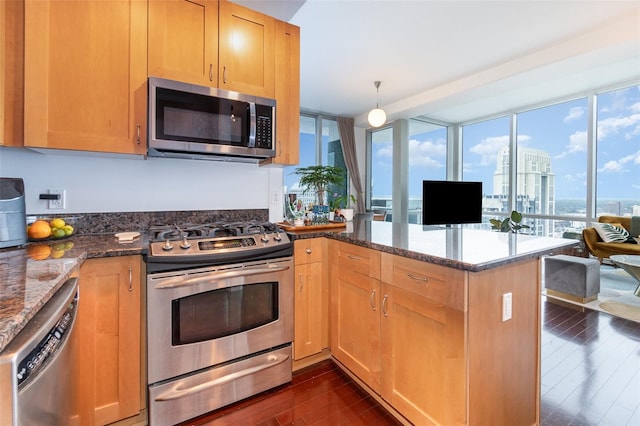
372,300
416,278
384,305
352,257
308,251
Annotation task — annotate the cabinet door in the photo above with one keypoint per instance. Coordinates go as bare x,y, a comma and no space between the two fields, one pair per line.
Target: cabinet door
246,50
11,72
355,308
308,310
423,358
287,90
183,40
85,75
423,340
109,323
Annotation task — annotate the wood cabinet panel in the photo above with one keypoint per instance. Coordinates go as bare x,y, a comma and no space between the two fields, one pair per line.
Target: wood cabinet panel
434,282
183,41
423,357
311,298
109,337
246,50
287,93
12,73
504,356
85,75
358,259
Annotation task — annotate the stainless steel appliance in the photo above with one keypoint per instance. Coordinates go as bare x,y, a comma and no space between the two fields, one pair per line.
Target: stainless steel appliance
36,368
13,225
190,121
219,316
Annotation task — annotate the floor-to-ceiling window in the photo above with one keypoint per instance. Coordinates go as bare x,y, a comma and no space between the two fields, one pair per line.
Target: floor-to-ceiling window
319,145
618,152
485,158
380,170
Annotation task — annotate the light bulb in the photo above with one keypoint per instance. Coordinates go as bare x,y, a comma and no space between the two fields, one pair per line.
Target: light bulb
377,117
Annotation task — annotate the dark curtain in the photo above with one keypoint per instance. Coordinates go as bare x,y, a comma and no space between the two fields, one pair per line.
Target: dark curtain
348,142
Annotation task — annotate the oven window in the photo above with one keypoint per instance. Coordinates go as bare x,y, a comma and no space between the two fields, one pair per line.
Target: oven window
219,313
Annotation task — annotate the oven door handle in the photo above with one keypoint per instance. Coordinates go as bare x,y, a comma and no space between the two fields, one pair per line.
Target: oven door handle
240,272
179,392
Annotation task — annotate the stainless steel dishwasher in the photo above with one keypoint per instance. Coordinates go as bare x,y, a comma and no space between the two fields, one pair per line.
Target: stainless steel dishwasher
36,371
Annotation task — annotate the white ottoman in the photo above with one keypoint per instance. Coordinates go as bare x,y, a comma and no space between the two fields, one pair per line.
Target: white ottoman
572,278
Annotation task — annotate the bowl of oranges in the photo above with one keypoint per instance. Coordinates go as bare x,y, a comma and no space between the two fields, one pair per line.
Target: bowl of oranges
50,229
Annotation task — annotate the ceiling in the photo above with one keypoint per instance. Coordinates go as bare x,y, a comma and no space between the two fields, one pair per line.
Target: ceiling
456,61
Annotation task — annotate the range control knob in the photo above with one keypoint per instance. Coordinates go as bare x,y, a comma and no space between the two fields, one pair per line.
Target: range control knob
185,244
265,238
277,237
167,246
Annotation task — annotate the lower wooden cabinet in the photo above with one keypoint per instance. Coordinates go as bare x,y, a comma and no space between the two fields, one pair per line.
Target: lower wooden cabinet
109,386
311,300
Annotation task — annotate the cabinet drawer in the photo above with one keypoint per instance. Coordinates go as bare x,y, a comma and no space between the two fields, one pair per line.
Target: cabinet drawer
358,259
438,283
309,250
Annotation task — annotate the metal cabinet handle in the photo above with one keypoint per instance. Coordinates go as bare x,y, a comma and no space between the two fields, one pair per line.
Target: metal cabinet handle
384,305
372,300
417,278
138,134
352,257
130,279
308,251
210,72
301,283
224,74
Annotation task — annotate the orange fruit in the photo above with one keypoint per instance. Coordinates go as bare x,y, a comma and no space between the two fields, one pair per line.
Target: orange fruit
39,229
38,251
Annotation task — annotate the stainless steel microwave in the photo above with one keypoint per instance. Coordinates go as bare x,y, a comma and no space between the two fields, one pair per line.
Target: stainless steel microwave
199,122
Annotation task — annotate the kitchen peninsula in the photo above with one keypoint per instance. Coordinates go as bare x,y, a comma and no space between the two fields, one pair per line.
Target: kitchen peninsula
442,324
416,313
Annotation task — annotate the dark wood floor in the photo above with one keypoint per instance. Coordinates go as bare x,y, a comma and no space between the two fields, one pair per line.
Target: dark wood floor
590,376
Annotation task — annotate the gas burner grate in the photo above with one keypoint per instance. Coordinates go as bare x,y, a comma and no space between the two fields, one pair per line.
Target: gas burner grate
210,230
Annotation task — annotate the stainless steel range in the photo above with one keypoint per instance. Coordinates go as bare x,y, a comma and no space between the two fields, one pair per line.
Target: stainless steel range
219,316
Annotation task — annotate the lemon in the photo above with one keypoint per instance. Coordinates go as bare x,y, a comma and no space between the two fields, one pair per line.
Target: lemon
39,229
68,230
57,223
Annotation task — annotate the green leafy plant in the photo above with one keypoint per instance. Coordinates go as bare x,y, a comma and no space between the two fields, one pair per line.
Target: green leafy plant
509,224
317,178
340,201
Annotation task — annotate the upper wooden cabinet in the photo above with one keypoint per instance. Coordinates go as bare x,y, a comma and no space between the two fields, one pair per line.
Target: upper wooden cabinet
11,72
85,75
246,50
183,41
287,86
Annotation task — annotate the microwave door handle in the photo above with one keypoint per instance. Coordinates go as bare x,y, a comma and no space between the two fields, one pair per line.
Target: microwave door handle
182,282
252,124
178,392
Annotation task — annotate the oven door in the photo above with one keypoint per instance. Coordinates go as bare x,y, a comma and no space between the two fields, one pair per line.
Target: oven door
207,316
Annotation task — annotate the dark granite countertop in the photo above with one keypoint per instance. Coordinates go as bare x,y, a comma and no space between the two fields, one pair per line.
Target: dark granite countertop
30,276
459,247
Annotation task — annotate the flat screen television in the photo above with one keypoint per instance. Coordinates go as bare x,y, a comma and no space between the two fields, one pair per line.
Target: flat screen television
451,202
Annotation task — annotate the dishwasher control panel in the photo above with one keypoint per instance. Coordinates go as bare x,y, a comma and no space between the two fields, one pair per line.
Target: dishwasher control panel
38,357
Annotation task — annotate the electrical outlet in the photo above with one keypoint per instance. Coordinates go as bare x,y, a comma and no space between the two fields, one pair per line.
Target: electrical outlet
275,198
60,203
507,306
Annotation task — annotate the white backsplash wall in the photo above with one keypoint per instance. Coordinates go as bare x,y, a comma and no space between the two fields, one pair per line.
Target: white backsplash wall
103,184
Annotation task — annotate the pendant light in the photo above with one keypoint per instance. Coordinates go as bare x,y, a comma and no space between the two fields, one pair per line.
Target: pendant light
377,116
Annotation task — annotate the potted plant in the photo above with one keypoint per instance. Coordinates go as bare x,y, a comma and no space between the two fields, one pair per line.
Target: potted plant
339,205
318,178
511,223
